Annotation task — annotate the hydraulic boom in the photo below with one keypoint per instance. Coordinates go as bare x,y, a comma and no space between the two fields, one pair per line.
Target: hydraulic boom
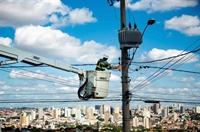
93,84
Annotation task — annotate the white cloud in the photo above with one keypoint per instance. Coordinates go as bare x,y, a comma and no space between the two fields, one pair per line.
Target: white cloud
6,87
115,78
2,82
140,81
197,84
26,74
68,89
5,41
81,16
197,65
156,54
183,79
160,74
2,92
40,12
186,24
159,5
52,43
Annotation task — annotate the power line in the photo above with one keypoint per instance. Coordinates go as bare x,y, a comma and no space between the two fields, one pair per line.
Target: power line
194,72
157,74
172,57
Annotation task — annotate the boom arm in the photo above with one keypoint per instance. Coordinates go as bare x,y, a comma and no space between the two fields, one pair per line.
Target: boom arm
93,84
16,55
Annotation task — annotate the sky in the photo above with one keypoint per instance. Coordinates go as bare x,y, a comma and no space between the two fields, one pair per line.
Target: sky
78,32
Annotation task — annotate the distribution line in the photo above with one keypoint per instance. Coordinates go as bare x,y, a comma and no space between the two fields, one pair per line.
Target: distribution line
159,74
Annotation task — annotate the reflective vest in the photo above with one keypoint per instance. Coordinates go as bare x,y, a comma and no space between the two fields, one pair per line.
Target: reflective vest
102,65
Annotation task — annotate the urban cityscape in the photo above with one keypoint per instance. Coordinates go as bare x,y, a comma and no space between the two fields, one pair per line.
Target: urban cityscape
155,117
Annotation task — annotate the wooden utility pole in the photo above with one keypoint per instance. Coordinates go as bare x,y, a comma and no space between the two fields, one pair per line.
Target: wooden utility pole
125,78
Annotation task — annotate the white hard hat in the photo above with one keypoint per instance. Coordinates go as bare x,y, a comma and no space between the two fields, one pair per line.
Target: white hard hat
105,56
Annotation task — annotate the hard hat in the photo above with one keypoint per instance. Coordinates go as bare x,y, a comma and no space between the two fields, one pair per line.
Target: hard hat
105,56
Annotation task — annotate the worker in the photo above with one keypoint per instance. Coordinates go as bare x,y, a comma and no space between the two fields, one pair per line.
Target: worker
102,64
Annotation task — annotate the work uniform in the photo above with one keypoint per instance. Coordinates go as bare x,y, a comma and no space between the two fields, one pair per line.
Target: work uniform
102,65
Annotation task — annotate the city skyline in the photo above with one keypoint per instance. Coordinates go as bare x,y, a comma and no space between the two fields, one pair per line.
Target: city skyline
80,32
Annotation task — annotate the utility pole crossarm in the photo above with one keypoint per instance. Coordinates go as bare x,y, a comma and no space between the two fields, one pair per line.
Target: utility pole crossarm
16,55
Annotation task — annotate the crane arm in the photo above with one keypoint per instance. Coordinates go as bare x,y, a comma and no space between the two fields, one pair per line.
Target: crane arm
16,55
93,84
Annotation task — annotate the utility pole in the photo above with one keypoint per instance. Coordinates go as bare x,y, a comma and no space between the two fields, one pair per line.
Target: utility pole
125,78
128,38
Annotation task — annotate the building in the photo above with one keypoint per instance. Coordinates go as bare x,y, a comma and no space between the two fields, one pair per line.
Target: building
197,109
55,113
155,108
24,120
164,113
89,112
146,122
78,114
135,122
67,112
33,115
40,113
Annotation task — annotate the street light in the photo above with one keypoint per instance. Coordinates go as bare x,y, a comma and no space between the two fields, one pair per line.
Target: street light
150,22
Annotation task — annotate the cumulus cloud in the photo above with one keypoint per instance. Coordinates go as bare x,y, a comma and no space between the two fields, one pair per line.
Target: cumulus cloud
68,89
40,12
115,78
2,82
197,65
139,81
159,5
156,54
186,24
26,74
40,75
183,79
53,43
2,92
5,41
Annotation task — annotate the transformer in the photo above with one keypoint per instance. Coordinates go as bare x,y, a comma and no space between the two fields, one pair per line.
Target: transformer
129,38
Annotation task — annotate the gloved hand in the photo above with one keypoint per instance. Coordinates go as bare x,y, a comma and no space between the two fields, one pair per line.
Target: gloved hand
118,67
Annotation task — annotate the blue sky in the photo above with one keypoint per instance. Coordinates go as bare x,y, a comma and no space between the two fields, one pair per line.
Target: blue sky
80,32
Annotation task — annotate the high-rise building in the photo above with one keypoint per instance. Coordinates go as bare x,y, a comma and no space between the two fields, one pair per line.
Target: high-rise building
33,115
138,108
82,108
73,111
164,112
155,108
90,112
116,112
148,108
146,113
67,112
55,113
97,107
106,107
107,117
135,122
40,113
146,122
78,114
182,109
116,109
197,109
175,116
24,120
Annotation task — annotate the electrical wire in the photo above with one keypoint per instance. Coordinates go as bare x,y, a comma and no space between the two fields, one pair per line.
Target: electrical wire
157,74
172,57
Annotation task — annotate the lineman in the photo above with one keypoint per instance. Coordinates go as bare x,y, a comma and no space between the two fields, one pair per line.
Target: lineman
102,64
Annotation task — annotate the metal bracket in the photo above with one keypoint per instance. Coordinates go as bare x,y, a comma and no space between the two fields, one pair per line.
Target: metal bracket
7,62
